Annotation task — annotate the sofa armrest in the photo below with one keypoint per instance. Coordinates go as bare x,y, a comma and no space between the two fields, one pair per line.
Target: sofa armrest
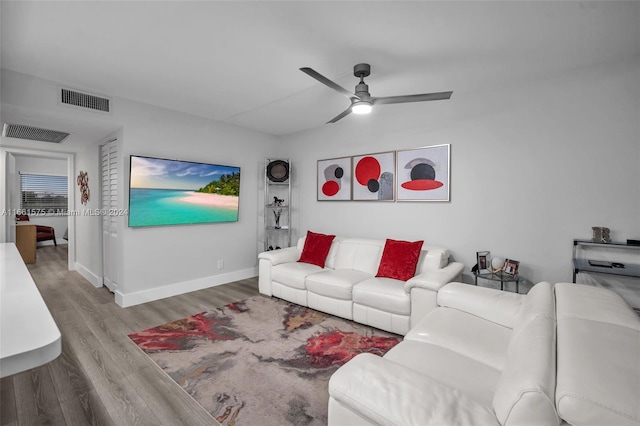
490,304
388,393
435,279
285,255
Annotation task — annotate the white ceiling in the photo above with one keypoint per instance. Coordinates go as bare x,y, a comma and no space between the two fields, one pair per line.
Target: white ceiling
237,61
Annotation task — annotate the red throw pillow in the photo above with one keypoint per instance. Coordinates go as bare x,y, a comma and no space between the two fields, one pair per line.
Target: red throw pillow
399,259
316,248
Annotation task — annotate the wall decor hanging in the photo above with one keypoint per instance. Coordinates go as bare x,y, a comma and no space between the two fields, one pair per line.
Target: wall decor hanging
423,174
334,179
83,183
373,177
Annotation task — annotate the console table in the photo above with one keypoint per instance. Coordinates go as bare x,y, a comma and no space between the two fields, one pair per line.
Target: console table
625,269
29,337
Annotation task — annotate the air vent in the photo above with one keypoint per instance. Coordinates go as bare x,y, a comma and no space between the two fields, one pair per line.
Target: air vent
84,100
21,131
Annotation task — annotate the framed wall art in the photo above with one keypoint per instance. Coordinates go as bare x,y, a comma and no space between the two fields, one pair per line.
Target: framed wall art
374,177
334,179
423,174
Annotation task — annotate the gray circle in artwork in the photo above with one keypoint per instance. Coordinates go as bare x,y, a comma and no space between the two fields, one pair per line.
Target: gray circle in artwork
339,172
423,171
373,185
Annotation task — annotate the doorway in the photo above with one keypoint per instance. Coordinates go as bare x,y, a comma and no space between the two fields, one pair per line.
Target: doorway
9,193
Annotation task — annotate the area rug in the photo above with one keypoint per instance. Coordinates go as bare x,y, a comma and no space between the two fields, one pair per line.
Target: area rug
260,361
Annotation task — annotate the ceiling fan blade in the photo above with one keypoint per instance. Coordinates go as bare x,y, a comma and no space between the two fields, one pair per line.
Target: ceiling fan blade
324,80
412,98
342,115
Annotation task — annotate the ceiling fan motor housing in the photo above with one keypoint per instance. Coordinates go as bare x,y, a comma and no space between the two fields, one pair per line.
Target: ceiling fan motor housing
362,70
362,92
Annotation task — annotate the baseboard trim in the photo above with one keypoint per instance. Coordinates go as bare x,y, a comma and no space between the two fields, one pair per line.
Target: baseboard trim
94,279
130,299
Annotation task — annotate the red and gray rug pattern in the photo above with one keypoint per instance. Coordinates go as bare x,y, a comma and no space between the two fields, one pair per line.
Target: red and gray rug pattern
260,361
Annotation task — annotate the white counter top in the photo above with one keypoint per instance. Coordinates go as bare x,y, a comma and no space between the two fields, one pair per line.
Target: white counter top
29,337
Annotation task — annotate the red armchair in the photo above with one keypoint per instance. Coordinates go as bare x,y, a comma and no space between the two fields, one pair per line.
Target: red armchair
43,232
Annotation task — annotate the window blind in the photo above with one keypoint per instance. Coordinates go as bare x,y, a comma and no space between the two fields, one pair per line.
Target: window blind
42,194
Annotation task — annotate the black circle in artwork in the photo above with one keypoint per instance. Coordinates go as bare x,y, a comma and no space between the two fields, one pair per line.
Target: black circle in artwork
423,171
278,171
339,172
373,185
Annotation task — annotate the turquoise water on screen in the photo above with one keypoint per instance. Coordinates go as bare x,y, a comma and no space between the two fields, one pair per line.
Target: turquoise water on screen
157,207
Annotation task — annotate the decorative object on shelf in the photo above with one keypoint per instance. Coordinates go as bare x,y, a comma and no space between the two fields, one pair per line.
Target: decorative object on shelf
278,171
276,214
83,183
483,261
423,174
511,267
278,201
497,264
334,179
373,177
601,234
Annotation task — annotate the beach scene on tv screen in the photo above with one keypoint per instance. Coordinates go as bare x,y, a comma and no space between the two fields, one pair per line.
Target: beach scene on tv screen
172,192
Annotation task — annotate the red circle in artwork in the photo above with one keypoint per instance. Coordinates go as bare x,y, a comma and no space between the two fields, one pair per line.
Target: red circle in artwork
422,184
367,168
330,188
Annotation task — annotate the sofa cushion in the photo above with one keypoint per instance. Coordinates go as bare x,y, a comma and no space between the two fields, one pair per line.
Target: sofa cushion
385,294
399,259
316,248
500,307
293,274
385,393
337,284
475,379
471,336
598,357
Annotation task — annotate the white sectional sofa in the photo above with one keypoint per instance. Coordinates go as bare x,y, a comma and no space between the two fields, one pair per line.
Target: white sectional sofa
563,354
347,285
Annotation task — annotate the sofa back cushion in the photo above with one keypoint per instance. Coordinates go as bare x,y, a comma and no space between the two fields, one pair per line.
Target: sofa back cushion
525,392
359,254
598,357
432,258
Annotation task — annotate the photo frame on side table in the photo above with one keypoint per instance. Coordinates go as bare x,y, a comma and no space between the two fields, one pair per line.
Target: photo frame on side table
374,177
334,179
511,267
423,174
484,261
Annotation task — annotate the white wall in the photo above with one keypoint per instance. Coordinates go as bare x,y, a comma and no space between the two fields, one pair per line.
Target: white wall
46,166
533,166
161,261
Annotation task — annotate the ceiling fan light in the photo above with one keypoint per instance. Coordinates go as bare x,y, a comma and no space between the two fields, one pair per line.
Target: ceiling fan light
361,107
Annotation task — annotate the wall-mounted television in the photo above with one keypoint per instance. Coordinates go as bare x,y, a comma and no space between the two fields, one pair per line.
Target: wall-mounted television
172,192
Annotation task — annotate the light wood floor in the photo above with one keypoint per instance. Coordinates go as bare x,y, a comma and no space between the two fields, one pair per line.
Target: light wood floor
101,377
